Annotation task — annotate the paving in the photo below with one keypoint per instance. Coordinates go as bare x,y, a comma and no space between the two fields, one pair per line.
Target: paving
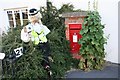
109,71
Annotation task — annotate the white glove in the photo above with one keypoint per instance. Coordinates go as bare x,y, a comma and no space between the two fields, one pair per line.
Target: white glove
25,36
2,55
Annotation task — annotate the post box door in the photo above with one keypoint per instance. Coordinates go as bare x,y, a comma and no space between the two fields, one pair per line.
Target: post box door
74,37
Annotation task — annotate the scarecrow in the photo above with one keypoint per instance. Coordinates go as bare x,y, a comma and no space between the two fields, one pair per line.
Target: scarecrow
36,32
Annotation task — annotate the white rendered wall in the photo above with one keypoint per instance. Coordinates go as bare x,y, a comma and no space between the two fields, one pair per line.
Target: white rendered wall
108,10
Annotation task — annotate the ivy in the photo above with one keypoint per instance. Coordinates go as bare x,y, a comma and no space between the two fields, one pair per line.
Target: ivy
92,42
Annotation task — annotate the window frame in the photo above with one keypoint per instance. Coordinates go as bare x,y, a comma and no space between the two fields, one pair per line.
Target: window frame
13,10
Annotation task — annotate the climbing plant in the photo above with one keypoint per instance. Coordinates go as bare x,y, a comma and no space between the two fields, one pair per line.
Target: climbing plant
92,42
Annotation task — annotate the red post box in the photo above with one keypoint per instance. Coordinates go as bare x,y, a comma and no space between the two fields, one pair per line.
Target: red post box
74,30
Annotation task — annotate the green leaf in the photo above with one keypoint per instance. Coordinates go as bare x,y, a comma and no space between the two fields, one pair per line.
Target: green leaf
93,42
81,42
81,32
85,30
81,65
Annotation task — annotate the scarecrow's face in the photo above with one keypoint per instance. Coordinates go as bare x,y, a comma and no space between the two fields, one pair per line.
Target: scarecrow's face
33,19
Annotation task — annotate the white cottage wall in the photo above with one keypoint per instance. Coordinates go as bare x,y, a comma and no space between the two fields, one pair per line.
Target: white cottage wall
108,10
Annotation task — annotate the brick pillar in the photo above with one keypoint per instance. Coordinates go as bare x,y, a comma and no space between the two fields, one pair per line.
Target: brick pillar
69,20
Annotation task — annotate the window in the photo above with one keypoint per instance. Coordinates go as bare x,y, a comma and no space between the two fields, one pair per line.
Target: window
10,17
25,16
17,16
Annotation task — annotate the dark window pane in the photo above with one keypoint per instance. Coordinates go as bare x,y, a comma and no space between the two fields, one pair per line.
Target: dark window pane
11,23
25,15
17,18
25,22
10,17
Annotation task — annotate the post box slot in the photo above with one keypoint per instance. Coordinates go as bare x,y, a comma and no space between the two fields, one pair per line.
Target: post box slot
74,26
